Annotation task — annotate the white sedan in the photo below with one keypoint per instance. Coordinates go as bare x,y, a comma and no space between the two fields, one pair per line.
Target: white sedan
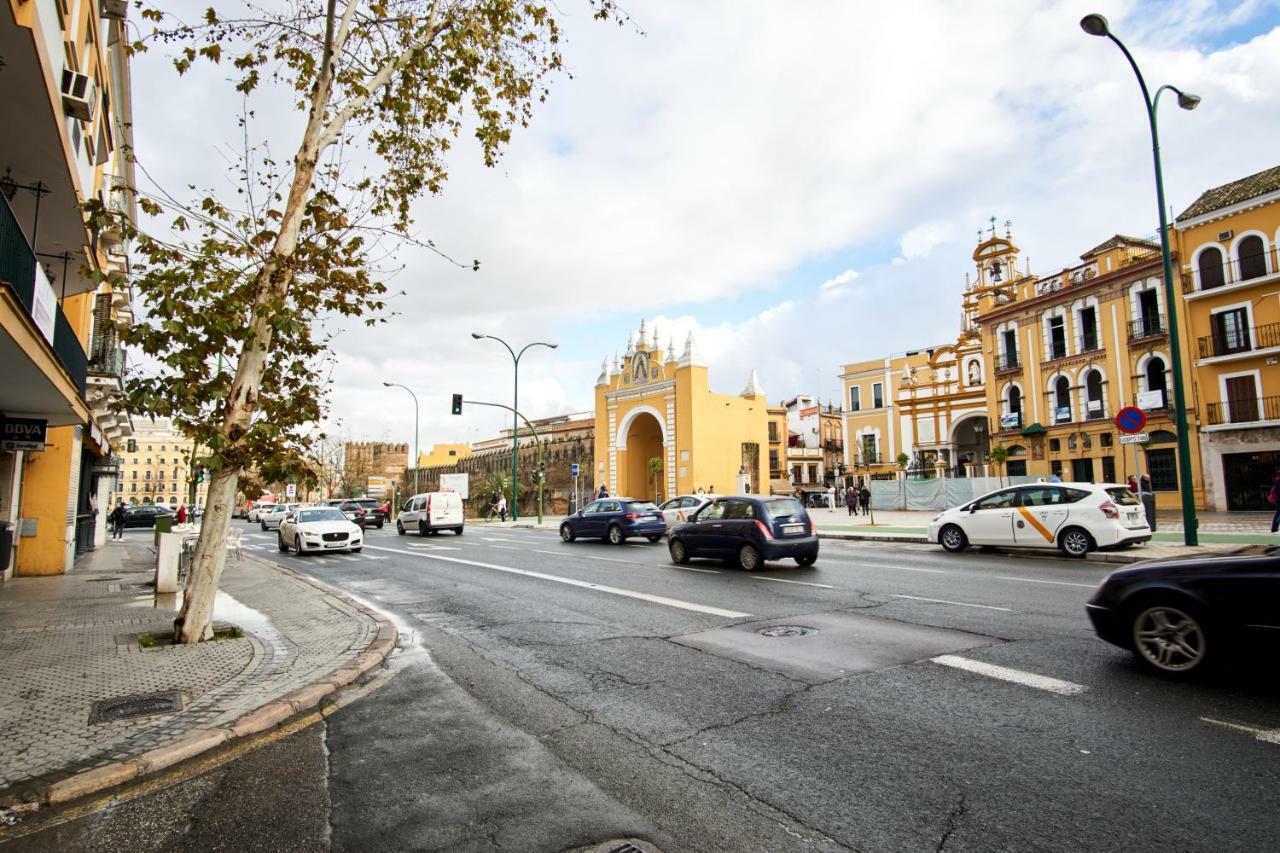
269,518
319,528
1074,517
255,513
681,508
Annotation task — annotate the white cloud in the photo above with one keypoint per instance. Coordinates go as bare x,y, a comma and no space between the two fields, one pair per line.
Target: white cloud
737,144
836,284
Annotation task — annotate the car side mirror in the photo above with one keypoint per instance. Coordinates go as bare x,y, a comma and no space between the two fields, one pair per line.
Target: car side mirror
973,508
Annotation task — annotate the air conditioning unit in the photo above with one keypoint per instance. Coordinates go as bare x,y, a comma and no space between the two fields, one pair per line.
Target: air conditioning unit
78,96
1226,235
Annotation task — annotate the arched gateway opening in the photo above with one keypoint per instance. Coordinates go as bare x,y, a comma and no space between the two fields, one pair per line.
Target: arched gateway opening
641,441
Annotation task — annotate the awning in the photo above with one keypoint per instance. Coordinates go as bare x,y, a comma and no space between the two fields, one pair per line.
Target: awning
1034,429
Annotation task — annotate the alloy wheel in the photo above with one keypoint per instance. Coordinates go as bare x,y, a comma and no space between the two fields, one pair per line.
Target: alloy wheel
615,535
1169,639
952,538
1076,542
749,558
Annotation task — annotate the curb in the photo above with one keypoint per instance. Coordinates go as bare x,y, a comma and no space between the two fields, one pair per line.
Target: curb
264,717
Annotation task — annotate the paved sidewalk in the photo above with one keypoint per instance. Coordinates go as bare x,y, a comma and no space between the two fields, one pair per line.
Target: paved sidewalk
67,642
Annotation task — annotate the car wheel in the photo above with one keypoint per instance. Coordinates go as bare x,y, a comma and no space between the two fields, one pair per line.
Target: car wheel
1076,542
399,527
1170,637
678,553
263,525
297,545
380,523
654,538
566,532
457,531
616,535
807,560
284,546
749,558
952,538
422,528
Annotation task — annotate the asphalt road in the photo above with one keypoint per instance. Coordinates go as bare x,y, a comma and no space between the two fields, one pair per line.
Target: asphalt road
551,696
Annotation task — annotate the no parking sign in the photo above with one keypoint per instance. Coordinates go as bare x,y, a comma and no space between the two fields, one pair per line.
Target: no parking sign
1131,419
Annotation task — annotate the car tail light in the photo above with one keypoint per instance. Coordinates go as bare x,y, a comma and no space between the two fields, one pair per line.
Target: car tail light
632,515
764,528
1109,509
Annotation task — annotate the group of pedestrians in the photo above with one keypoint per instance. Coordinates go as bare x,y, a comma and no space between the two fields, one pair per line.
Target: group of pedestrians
857,497
497,506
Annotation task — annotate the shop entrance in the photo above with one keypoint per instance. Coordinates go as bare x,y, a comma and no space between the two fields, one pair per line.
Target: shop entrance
1248,478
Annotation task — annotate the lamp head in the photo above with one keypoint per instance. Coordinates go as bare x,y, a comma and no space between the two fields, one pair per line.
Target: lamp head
557,346
477,335
1188,101
1095,25
387,384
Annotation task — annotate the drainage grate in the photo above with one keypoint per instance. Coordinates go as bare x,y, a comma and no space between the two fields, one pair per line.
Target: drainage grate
786,631
625,847
139,705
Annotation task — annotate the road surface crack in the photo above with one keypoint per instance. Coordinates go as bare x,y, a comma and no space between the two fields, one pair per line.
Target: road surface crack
953,821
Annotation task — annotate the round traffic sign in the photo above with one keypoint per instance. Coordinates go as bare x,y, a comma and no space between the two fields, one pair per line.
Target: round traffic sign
1131,419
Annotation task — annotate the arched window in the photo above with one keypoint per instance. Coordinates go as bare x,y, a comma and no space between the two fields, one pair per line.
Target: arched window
1253,257
1062,400
1156,380
1210,265
1093,394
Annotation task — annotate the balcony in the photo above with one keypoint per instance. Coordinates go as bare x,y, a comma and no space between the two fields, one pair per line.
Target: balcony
1238,341
1255,269
1146,327
108,363
1008,363
833,445
24,277
1248,410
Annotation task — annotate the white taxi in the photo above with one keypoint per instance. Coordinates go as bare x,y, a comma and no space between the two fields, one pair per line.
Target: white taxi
1074,517
681,508
319,528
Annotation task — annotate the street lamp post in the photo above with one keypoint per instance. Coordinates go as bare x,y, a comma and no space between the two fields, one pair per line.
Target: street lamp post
1096,25
515,419
415,429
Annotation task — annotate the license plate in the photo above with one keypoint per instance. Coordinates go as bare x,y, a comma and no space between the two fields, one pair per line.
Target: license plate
793,528
335,544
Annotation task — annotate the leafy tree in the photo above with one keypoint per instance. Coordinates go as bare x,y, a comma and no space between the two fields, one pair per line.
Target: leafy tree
998,455
903,461
655,471
236,287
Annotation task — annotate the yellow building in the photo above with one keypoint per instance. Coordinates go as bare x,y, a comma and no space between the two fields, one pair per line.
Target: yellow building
69,118
651,406
1065,352
156,467
444,454
1226,241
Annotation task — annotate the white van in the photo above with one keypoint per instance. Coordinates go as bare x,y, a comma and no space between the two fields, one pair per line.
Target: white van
431,512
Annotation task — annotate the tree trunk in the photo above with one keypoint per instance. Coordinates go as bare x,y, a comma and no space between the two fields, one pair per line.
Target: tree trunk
195,621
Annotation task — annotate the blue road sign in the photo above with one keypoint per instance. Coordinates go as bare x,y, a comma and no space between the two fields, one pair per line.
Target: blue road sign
573,469
1131,419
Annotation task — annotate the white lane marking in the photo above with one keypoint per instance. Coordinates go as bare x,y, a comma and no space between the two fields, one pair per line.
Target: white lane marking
612,590
494,539
433,547
1264,735
784,580
1053,583
1016,676
588,557
956,603
903,568
507,547
690,569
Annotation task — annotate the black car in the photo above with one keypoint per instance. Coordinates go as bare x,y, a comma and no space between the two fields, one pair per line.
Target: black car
615,519
1181,616
749,530
145,515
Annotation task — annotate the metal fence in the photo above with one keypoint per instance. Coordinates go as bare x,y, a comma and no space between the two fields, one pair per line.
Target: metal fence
935,493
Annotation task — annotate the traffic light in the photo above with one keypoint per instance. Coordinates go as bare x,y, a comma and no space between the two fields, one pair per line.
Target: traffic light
457,404
199,473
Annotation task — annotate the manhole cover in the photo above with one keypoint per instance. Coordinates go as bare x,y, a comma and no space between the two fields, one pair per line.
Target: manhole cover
786,631
139,705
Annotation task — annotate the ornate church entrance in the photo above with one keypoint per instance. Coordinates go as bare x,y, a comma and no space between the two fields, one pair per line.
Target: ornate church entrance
643,442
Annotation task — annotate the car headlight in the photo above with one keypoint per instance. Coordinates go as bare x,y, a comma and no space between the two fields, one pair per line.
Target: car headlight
939,516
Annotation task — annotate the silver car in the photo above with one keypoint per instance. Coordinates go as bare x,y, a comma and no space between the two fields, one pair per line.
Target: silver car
269,519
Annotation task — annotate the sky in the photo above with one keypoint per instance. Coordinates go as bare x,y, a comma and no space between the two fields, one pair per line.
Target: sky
800,185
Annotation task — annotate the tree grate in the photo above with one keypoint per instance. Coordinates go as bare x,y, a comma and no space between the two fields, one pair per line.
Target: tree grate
139,705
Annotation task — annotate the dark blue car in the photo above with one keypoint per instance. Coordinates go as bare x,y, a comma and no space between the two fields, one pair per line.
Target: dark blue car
615,519
748,530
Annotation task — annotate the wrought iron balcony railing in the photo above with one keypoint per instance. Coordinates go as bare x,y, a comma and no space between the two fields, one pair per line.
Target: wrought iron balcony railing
1146,327
1232,341
1245,410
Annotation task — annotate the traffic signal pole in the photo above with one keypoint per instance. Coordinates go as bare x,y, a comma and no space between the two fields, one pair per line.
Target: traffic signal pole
540,473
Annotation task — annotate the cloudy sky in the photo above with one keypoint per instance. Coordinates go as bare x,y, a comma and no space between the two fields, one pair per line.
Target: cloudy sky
799,184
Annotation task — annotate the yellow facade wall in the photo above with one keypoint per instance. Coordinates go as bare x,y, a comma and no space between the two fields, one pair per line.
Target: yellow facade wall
45,497
444,454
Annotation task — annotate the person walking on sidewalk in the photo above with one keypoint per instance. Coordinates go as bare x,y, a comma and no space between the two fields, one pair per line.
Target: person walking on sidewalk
1273,498
181,515
117,521
851,500
502,509
831,497
864,500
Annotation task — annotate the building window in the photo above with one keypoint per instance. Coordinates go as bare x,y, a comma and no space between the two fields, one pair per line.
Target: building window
773,460
797,474
1210,265
773,430
1010,356
1055,467
1108,469
1230,331
855,399
1016,468
877,395
1094,407
813,473
1163,468
1062,400
869,456
1253,258
135,474
1057,337
133,487
146,475
1088,319
1105,439
1055,446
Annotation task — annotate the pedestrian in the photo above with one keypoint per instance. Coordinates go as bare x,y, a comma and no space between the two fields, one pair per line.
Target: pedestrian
851,500
1133,484
1144,484
502,509
1054,478
864,500
602,493
493,505
1273,498
831,497
117,521
182,514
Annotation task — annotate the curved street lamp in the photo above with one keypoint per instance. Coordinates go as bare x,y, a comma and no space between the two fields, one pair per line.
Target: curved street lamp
415,431
515,418
1096,25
